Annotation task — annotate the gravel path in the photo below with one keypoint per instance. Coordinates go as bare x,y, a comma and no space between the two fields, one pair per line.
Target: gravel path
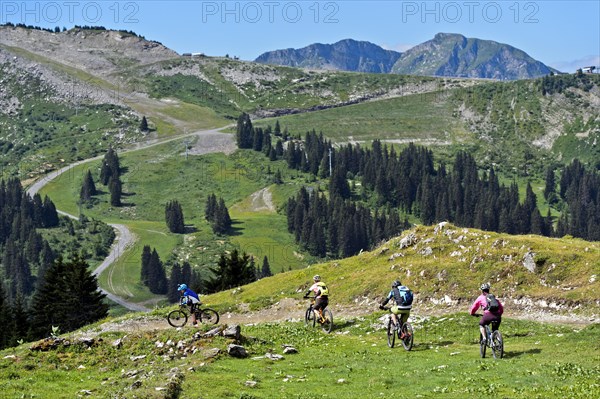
208,141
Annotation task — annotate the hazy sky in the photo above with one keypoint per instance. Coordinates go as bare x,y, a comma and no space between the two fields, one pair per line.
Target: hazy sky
562,34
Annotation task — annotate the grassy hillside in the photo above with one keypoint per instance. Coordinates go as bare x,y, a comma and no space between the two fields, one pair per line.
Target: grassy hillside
451,262
152,360
540,361
156,175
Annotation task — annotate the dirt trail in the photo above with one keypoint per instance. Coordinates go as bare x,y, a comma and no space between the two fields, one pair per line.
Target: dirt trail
208,141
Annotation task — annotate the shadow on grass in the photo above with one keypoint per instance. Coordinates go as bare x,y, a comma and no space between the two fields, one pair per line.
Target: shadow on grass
189,229
233,230
510,355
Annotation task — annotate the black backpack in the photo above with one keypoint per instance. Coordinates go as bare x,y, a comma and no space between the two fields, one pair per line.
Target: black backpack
492,303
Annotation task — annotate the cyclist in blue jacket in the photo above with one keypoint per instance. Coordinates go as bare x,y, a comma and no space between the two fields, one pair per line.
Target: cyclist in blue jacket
190,298
401,307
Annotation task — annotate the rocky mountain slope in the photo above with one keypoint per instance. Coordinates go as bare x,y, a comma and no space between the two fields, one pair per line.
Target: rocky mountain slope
96,51
447,54
450,54
345,55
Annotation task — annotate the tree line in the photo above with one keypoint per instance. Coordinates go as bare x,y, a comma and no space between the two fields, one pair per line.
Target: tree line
38,289
410,182
231,271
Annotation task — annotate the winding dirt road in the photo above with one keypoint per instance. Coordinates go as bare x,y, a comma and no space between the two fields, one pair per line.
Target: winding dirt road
212,140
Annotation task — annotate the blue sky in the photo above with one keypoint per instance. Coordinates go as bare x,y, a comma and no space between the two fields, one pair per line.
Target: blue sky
562,34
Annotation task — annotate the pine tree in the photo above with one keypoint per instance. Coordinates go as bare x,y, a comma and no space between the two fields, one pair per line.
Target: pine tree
114,186
144,124
187,275
157,278
68,298
145,272
277,130
19,320
174,217
110,167
5,320
232,271
88,188
175,278
245,131
265,270
50,216
210,209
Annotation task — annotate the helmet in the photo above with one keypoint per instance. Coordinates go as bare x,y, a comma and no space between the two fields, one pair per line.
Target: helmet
317,277
485,287
181,287
396,283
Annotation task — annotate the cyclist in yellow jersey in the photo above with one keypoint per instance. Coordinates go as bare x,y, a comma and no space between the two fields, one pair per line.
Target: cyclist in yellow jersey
321,292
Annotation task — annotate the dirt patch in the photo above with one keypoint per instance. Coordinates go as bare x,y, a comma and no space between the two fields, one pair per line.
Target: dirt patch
262,200
205,142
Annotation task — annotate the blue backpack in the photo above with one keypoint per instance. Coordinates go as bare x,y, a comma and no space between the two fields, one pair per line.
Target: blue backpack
405,295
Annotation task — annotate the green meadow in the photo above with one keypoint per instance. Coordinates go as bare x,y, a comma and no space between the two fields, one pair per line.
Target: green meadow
354,361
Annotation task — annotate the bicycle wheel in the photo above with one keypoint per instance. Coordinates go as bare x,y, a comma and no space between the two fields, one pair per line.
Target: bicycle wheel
327,324
309,317
407,341
177,318
497,345
391,333
482,346
207,316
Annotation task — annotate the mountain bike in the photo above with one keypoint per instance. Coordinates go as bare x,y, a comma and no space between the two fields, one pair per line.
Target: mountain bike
179,317
324,318
493,340
404,331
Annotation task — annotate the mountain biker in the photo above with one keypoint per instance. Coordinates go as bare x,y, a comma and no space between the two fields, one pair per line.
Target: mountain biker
400,308
488,316
321,292
190,298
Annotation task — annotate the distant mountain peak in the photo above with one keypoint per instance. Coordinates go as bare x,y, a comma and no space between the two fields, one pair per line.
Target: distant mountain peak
447,54
344,55
452,54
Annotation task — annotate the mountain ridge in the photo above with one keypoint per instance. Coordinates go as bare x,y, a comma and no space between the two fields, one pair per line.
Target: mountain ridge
447,54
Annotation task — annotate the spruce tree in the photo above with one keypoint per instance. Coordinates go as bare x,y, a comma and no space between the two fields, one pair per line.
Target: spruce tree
232,271
144,124
50,216
174,217
145,271
157,278
175,278
88,188
68,298
265,271
115,188
244,132
5,320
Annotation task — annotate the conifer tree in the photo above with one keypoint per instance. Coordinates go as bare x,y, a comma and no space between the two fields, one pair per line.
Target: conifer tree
157,278
68,298
5,320
110,166
175,278
50,216
144,124
244,132
88,188
174,217
115,188
211,207
265,270
232,271
145,272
